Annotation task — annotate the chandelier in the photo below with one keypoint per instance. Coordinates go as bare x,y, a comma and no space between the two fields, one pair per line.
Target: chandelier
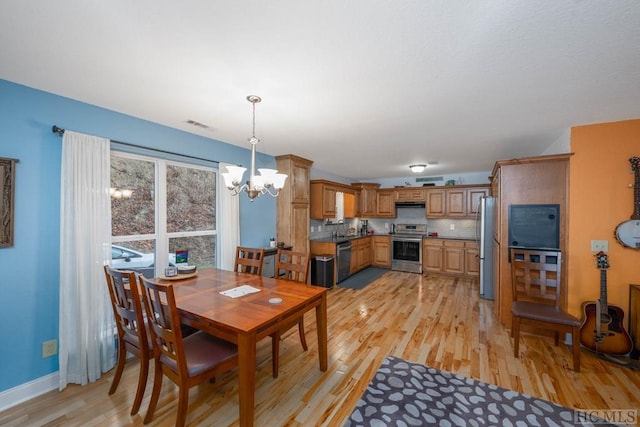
257,184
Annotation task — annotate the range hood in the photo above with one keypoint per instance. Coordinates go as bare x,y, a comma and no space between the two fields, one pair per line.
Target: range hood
410,204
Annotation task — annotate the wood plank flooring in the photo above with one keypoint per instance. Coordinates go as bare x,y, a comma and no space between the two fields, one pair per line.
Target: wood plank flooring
435,320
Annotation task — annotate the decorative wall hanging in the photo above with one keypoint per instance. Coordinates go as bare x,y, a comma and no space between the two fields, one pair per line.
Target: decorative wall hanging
7,186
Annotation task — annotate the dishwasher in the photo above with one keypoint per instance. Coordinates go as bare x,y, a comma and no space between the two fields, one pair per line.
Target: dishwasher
343,258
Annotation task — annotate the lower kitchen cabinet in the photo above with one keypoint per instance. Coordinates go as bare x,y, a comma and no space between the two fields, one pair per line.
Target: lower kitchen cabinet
453,257
360,254
381,251
457,257
471,259
432,255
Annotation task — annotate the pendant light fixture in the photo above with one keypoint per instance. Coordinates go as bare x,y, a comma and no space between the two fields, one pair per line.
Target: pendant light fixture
257,184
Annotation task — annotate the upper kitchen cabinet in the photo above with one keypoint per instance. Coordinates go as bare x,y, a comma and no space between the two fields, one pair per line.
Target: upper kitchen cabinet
368,198
332,200
386,204
455,201
293,202
410,194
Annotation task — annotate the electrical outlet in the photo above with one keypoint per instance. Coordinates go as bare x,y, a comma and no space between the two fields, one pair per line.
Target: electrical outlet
49,348
599,245
386,225
313,229
319,228
452,227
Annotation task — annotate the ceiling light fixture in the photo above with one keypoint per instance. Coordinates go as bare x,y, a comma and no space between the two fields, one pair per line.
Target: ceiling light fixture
257,184
417,168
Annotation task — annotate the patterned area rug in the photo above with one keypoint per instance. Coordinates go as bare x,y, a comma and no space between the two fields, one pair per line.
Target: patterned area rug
409,394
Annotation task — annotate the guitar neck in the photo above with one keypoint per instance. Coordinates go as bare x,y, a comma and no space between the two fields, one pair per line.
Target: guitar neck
603,291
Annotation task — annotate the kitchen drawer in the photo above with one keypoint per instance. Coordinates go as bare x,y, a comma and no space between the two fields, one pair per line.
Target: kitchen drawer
454,243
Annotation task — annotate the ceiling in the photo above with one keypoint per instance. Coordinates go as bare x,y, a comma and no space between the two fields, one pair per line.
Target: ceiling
363,88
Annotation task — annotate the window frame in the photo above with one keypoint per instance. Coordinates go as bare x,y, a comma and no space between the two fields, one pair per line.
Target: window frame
161,236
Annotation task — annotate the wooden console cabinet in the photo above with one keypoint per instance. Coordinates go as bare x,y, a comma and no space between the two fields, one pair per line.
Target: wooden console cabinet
532,180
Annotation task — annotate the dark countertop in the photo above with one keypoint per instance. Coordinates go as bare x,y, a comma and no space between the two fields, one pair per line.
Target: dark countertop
272,251
450,238
341,239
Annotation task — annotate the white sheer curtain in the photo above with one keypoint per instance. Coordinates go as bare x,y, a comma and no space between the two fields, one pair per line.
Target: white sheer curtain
86,330
229,217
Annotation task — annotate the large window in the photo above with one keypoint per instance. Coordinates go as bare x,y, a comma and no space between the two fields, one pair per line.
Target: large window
160,208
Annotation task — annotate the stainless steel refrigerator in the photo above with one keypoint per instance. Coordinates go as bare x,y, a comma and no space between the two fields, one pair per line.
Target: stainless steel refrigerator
484,236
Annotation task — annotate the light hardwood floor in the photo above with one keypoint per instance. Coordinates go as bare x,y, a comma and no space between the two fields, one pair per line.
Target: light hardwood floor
435,320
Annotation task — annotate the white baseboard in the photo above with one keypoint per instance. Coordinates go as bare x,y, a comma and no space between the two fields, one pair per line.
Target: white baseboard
27,391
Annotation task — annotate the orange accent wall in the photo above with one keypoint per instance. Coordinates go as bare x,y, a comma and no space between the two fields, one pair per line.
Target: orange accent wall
600,198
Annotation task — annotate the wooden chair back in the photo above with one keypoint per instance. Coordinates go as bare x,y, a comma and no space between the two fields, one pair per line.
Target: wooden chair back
164,325
127,309
292,265
133,336
535,276
249,260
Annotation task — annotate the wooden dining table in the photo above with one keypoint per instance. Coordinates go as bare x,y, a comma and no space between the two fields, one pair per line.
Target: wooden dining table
246,319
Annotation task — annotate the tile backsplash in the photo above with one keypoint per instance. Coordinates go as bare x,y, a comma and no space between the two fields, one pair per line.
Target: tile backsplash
462,228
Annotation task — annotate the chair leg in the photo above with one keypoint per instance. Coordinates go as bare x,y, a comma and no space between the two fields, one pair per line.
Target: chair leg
155,394
575,346
516,336
183,405
142,384
303,339
122,359
556,336
275,353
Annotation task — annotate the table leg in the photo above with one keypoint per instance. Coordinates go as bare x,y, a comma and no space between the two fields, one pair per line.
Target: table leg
247,377
321,322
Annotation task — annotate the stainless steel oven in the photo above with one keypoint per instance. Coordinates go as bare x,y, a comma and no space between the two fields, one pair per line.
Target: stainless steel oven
406,247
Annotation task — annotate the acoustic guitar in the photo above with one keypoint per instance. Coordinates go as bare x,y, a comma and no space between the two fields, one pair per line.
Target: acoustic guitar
602,330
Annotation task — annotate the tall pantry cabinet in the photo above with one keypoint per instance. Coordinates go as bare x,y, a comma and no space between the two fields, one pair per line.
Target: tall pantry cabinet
294,202
532,180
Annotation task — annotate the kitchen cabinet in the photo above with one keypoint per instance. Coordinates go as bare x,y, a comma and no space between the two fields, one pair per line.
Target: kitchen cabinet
453,257
360,254
410,194
531,180
381,256
386,205
457,257
471,259
454,201
368,198
327,197
432,255
292,209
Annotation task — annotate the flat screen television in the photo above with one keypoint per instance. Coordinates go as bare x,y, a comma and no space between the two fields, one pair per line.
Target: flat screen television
534,226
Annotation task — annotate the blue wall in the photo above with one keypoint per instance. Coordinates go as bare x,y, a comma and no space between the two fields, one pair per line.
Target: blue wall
29,271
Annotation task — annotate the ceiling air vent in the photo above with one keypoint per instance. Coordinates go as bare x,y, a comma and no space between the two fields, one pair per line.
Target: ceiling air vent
197,124
430,179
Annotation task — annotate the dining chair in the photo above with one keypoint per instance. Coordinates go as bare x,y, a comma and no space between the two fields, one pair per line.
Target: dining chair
187,361
536,284
294,266
249,260
132,333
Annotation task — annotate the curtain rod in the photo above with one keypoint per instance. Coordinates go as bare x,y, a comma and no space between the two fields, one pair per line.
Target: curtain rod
59,131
